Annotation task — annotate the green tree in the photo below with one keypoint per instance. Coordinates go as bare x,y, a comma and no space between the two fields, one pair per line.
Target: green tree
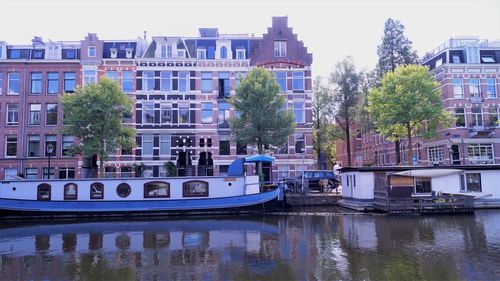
345,82
395,50
94,115
261,120
408,102
322,117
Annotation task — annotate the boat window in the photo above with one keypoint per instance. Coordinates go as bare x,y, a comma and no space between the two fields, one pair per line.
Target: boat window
70,191
473,182
43,192
195,189
156,189
123,190
97,190
423,185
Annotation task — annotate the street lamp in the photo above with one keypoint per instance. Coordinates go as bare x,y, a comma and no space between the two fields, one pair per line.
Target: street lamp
50,149
303,150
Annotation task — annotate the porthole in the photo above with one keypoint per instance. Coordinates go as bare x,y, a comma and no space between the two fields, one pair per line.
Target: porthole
123,190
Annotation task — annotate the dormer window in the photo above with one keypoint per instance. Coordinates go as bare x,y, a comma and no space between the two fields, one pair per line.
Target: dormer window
201,54
223,52
439,62
280,48
181,53
240,54
128,53
488,59
91,52
37,54
169,51
113,53
163,52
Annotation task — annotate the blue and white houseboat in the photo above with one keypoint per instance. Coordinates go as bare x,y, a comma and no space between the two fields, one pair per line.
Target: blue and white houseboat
236,192
362,187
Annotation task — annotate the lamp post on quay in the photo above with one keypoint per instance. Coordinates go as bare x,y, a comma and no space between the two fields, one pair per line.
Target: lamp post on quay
50,149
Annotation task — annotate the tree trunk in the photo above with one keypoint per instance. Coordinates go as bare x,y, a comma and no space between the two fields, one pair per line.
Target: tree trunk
318,143
348,141
410,149
260,148
101,167
397,147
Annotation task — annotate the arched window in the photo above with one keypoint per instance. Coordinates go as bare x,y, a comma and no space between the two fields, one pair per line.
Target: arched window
223,53
70,191
43,192
123,190
195,189
97,190
156,189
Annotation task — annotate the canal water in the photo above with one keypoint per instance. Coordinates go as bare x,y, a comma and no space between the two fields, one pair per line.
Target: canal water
278,247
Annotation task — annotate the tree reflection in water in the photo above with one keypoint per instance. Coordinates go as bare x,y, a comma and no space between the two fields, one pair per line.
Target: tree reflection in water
347,247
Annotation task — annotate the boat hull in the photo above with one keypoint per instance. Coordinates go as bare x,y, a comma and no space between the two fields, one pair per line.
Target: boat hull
253,203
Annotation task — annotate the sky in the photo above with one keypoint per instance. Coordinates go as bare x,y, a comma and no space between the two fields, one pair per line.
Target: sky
331,30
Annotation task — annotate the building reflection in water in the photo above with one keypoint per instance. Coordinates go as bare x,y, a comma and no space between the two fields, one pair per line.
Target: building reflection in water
347,247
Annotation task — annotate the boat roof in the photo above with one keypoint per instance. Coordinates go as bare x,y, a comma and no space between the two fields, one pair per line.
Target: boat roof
428,173
405,168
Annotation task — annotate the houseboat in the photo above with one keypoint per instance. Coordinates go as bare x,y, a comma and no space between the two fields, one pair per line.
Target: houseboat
236,192
421,188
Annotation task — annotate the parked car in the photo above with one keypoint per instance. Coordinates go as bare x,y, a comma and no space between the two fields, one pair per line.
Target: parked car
320,180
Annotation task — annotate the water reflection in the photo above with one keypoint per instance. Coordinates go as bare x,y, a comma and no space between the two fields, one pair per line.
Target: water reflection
347,247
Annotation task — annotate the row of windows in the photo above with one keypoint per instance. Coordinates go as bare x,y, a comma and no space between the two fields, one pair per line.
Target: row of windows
157,189
33,141
476,115
52,82
474,88
35,114
165,144
183,113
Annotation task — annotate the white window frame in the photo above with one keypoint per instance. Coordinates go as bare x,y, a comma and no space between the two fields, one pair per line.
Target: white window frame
477,117
457,87
10,112
280,48
35,108
205,110
89,76
10,80
462,114
240,54
150,108
149,142
475,89
183,106
435,154
32,139
165,107
47,114
295,73
302,112
165,139
7,142
491,83
480,152
201,53
89,51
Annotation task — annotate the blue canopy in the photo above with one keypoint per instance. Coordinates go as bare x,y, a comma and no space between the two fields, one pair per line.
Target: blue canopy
259,158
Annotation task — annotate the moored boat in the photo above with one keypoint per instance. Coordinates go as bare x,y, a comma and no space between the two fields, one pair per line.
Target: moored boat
236,193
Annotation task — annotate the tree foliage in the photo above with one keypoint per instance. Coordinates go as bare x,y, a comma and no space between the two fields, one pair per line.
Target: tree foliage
262,121
408,102
395,49
94,115
345,82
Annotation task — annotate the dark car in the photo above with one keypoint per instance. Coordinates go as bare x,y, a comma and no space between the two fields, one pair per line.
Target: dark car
312,180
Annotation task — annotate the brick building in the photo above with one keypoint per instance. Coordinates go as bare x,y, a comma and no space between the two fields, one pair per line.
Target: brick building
468,71
180,87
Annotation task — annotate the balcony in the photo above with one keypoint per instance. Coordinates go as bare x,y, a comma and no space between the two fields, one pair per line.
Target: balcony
483,130
476,99
223,126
